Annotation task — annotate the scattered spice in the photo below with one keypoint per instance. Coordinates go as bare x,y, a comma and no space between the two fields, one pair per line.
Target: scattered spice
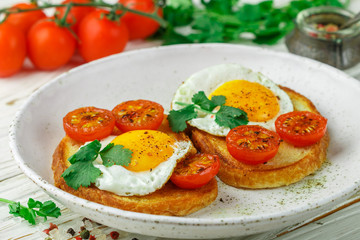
71,231
114,235
51,227
85,219
85,234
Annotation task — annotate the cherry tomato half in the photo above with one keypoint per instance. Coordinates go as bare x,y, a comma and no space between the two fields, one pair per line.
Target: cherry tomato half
25,20
138,114
76,14
252,144
140,27
100,37
89,123
50,46
12,49
195,171
301,128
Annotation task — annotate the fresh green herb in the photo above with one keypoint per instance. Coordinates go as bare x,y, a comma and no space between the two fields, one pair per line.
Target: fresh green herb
228,21
82,172
34,208
177,119
115,154
225,116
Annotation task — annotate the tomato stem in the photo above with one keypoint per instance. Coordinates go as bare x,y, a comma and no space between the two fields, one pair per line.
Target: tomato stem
113,8
67,11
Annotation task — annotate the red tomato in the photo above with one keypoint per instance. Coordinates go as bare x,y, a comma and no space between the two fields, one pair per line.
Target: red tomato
100,37
12,49
25,20
76,14
195,171
301,128
138,114
140,26
50,46
89,123
252,144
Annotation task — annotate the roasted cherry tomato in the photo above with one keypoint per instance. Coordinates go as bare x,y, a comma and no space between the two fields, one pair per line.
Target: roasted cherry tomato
195,171
301,128
89,123
49,45
138,114
25,20
76,14
140,27
100,37
252,144
12,49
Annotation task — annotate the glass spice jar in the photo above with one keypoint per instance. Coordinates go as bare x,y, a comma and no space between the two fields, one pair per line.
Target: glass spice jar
317,35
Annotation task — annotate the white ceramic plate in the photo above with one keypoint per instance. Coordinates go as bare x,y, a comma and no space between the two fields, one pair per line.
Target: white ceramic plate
155,74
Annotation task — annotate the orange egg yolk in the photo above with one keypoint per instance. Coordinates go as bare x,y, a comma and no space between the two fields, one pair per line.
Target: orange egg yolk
259,102
149,148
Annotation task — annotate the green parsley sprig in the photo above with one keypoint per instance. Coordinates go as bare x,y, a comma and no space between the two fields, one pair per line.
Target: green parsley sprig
225,116
82,172
34,208
232,20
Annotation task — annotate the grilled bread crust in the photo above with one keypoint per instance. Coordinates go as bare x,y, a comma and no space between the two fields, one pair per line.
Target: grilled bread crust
290,165
169,200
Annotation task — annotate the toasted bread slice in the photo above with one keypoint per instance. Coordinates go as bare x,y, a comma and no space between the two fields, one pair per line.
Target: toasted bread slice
290,165
169,200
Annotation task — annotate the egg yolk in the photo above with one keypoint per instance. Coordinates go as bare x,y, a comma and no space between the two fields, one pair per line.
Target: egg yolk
149,148
259,102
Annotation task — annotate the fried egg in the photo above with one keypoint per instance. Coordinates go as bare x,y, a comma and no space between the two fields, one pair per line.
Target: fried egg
254,93
155,155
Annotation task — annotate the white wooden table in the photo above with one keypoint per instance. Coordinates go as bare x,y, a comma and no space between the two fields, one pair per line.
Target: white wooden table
342,222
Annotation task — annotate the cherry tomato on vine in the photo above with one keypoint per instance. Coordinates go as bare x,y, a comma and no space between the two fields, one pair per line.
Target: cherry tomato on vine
138,114
140,27
252,144
88,123
12,49
195,171
25,20
100,37
76,14
301,128
50,46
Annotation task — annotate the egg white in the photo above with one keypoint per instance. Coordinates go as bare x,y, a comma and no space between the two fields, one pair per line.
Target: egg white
119,180
211,78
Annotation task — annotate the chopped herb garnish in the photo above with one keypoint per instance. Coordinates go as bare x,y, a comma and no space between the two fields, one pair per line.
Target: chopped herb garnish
225,116
82,172
34,208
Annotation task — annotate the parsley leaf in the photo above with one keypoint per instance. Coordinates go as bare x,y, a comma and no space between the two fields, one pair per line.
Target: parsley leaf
89,152
115,154
35,208
226,116
231,117
225,21
218,100
82,172
177,119
201,100
206,104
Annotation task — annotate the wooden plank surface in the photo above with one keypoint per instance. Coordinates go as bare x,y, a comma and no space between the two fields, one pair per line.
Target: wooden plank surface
342,222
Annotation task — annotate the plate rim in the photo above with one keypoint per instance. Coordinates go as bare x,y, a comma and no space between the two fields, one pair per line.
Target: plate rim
50,188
